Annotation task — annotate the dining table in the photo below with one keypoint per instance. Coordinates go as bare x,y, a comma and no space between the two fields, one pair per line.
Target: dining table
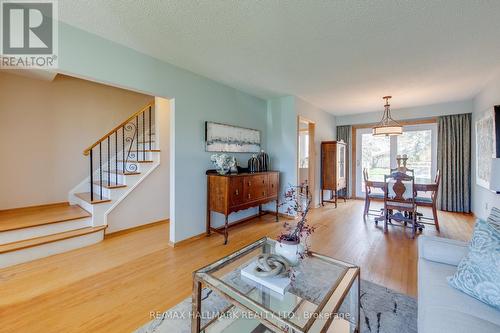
421,184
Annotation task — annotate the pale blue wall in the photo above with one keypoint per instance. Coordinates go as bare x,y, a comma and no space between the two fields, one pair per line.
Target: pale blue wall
417,112
196,99
282,124
282,139
482,198
325,130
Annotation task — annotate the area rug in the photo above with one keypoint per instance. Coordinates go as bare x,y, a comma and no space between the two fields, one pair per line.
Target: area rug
382,311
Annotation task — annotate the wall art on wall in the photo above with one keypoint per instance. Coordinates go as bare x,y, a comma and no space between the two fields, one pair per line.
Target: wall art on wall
485,148
228,138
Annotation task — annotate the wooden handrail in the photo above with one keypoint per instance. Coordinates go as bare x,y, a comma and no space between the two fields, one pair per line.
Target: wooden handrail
143,109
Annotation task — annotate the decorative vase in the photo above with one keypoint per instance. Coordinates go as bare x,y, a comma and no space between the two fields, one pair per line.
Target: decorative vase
223,163
234,168
291,251
263,161
253,164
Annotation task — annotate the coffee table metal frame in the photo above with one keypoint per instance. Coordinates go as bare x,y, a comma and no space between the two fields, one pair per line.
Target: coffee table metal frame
203,277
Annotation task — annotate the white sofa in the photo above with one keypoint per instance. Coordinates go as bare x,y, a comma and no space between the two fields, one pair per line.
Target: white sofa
441,308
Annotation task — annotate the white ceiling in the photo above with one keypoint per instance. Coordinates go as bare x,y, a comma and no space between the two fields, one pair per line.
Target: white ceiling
341,56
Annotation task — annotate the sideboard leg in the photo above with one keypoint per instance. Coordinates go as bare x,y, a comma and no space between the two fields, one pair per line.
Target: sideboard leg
208,208
208,222
226,235
277,210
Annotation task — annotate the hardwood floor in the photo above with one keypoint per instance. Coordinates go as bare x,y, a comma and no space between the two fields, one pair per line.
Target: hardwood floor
114,285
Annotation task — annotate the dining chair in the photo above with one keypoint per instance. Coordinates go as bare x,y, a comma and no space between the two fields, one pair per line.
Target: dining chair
403,169
370,195
399,201
430,202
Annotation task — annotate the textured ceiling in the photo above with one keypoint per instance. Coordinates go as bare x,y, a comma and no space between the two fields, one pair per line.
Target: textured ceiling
342,56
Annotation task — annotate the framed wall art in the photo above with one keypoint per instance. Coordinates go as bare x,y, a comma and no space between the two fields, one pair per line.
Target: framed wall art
485,147
231,139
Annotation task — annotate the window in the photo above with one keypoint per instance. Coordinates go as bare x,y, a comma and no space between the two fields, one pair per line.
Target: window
378,154
417,145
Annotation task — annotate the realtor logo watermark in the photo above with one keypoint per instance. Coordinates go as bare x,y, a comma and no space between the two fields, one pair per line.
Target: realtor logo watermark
29,36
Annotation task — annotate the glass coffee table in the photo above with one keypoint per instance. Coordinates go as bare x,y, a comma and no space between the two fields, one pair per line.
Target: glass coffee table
323,297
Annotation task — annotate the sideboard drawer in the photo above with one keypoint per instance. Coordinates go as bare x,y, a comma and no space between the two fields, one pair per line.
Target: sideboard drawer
273,181
236,191
255,187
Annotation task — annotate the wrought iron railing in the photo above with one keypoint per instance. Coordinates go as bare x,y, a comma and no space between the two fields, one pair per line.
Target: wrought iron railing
120,143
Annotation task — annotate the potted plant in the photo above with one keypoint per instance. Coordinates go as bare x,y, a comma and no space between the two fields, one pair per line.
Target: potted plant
292,242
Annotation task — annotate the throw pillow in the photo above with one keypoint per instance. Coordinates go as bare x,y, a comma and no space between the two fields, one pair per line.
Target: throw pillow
478,274
494,217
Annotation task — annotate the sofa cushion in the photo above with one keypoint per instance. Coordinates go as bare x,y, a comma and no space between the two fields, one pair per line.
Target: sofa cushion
442,250
442,308
478,274
442,320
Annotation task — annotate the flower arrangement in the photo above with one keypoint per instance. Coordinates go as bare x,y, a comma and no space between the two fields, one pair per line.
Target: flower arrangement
297,202
223,162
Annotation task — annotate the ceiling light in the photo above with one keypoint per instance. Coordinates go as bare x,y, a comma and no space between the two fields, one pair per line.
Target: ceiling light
387,126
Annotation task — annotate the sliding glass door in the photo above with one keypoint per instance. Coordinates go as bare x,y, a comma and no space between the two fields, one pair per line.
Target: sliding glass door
378,154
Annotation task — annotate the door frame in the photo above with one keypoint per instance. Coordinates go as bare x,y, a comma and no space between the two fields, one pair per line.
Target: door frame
311,128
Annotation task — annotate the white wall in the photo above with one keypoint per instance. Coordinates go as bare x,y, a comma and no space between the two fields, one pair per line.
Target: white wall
325,130
482,198
417,112
150,201
44,128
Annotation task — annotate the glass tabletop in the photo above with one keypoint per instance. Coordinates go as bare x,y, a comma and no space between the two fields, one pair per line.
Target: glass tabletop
315,290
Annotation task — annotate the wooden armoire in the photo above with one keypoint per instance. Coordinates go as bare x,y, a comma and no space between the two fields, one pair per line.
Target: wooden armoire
333,169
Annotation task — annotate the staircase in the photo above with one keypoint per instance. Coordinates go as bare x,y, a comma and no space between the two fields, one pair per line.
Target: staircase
118,162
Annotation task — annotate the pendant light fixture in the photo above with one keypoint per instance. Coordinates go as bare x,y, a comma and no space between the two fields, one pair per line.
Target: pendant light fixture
387,126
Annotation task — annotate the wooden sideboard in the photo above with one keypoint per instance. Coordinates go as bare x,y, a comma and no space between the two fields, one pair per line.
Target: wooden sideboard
233,192
333,169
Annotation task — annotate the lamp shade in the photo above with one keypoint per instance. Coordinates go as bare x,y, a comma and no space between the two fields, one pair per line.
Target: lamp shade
387,130
495,175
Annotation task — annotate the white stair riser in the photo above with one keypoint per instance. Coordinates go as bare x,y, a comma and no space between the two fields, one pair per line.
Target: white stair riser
84,204
145,146
45,250
148,156
112,177
112,193
43,230
130,166
105,191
